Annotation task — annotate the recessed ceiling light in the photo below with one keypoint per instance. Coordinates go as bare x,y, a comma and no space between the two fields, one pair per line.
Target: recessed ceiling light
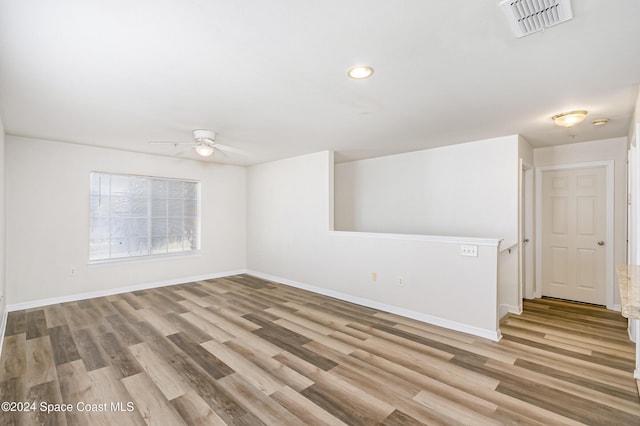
359,72
569,119
600,122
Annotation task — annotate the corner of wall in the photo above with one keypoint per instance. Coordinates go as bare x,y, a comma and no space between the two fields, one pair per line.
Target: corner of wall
331,170
525,151
637,109
3,281
634,126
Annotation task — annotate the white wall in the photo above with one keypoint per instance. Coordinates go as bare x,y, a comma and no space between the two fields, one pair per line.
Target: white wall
289,240
48,219
607,149
633,189
468,189
633,256
635,197
3,285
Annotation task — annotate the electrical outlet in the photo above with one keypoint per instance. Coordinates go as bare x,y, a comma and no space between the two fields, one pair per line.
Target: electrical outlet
467,250
374,277
401,281
73,271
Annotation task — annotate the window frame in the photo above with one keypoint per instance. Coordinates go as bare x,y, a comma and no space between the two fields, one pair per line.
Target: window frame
149,217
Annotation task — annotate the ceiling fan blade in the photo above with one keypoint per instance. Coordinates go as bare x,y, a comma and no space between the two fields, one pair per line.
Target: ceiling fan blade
170,142
231,149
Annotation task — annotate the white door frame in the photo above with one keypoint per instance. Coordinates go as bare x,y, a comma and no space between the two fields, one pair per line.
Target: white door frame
610,243
526,218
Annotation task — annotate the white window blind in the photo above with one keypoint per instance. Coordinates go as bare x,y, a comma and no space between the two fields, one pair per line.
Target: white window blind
133,216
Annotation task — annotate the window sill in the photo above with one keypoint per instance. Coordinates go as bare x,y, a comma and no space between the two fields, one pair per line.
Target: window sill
145,259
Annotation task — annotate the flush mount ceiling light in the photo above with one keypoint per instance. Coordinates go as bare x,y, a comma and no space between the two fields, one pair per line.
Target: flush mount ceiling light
359,72
600,122
204,149
569,119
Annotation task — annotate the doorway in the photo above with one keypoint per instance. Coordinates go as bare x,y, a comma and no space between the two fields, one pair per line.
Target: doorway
575,232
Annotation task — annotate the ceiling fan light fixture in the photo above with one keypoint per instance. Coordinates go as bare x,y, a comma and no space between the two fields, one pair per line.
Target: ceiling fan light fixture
204,150
569,119
360,72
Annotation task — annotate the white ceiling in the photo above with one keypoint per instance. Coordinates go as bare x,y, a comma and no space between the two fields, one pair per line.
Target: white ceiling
270,76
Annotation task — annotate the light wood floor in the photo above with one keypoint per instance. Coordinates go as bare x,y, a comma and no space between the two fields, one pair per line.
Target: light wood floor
241,350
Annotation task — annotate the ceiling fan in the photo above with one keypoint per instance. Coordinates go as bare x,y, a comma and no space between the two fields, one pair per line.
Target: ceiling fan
205,143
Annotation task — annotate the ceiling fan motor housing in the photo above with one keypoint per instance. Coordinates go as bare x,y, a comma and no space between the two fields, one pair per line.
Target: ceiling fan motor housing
202,134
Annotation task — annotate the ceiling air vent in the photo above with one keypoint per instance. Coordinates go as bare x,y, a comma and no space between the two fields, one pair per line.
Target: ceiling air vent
530,16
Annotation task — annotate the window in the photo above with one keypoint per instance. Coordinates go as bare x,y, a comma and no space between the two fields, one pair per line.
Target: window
133,216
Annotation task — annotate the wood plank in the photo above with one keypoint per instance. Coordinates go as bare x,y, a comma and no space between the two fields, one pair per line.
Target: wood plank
212,330
351,408
126,311
75,387
195,411
205,359
291,342
11,390
13,358
127,334
16,323
158,321
290,317
393,389
63,345
108,389
308,412
150,402
171,384
186,328
117,354
284,374
454,410
233,329
221,402
50,393
253,374
36,324
327,340
567,405
584,390
256,402
77,318
40,366
487,349
89,350
54,315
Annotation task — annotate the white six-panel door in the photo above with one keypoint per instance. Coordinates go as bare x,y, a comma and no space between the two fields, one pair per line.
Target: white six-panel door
573,234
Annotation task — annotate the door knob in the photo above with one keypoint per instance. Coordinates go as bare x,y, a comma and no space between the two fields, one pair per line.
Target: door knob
526,240
600,243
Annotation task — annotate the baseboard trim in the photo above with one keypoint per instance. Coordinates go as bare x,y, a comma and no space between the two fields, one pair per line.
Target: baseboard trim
508,309
109,292
429,319
615,307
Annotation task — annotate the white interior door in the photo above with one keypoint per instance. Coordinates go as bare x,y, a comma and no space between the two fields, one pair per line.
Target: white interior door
573,234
